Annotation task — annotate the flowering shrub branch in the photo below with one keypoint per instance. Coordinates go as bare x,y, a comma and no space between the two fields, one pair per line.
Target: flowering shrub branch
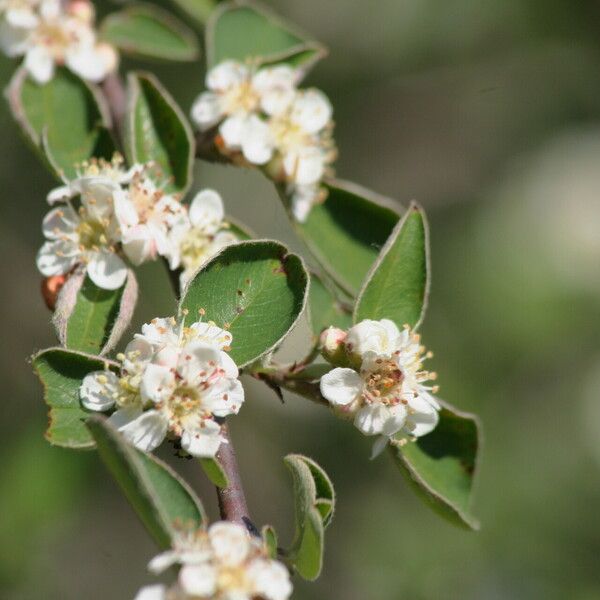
123,154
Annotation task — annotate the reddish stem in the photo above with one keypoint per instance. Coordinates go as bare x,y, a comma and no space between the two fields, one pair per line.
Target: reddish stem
232,500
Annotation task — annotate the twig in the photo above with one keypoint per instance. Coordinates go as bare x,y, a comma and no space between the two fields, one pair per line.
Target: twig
116,99
232,500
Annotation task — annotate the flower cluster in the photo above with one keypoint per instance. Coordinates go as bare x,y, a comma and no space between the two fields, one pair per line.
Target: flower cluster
50,33
382,384
264,119
124,213
173,381
221,563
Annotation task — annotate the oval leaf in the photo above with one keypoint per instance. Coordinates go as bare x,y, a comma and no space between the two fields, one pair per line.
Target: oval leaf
346,232
397,285
64,119
256,289
325,309
214,471
158,131
441,465
199,10
246,31
150,32
91,319
314,502
162,499
61,373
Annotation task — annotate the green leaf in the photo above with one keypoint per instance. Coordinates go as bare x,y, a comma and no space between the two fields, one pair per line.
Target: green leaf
163,500
199,10
269,536
91,319
256,289
246,31
150,32
158,131
314,502
397,285
214,471
61,373
346,232
441,465
325,309
65,119
242,231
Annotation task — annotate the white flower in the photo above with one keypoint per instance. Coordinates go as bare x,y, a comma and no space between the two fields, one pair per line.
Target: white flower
201,385
52,35
167,336
206,235
92,169
174,380
104,390
88,236
223,563
388,392
301,136
381,337
147,218
303,198
237,95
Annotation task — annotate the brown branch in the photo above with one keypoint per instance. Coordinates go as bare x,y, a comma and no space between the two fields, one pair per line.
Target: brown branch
232,500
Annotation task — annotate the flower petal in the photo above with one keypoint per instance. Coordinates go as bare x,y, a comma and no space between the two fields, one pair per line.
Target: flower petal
271,580
98,389
147,431
61,223
372,418
152,592
87,62
225,75
206,110
206,210
57,257
157,383
421,423
107,270
256,142
230,542
203,441
163,561
198,580
59,194
195,358
40,64
341,386
225,398
311,110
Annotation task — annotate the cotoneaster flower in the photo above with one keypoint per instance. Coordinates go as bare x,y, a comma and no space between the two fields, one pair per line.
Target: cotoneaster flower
88,236
58,34
174,381
385,391
221,563
148,218
237,95
206,235
113,170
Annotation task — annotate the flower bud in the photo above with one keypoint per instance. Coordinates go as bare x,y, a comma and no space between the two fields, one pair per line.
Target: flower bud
332,347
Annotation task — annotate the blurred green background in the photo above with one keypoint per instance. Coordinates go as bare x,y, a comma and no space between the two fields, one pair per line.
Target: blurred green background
488,113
